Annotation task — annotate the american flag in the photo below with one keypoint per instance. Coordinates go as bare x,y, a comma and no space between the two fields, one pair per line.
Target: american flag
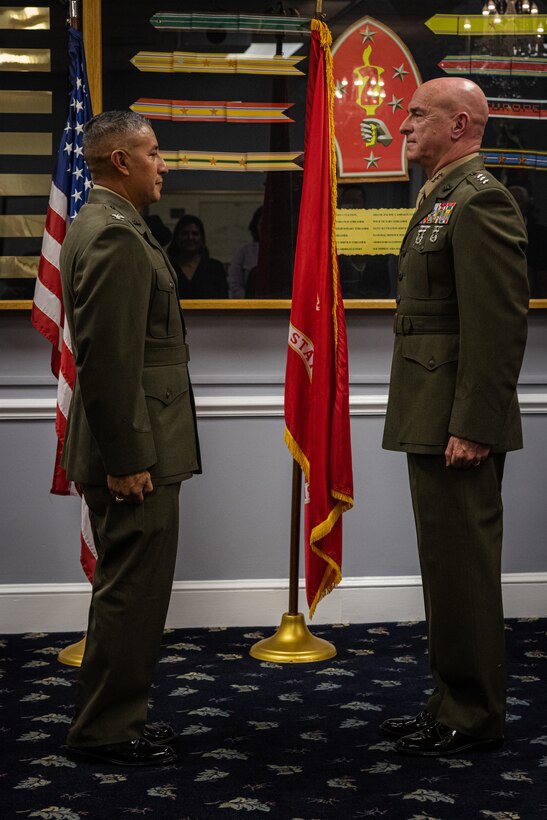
70,188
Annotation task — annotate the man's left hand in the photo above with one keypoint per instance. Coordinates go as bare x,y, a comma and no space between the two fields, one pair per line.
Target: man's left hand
462,453
131,488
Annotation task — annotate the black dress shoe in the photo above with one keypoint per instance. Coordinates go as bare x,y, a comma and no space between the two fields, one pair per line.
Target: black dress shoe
400,727
158,733
438,740
138,752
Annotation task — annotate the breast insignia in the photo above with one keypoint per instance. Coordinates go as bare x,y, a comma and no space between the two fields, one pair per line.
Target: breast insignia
434,233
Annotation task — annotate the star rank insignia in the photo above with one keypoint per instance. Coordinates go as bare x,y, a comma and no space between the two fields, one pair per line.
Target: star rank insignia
117,215
367,35
399,72
396,102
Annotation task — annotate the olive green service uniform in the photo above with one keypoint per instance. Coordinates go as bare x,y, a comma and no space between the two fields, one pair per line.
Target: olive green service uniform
460,335
132,410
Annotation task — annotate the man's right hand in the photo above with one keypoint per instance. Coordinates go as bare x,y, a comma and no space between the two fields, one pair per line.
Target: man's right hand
130,488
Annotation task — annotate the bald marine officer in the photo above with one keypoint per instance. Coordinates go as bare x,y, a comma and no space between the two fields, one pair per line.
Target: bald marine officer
131,436
460,333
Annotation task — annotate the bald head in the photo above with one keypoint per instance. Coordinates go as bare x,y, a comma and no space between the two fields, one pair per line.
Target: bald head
446,121
455,95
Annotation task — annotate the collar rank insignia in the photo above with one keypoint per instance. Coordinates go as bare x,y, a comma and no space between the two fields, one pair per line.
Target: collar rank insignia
482,177
440,215
117,215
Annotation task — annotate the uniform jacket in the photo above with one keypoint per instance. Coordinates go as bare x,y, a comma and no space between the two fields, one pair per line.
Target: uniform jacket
132,408
461,318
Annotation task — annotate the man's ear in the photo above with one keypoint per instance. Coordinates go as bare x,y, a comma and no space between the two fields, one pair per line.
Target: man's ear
459,127
119,159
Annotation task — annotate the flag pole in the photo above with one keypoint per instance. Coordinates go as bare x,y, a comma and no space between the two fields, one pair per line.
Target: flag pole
293,642
73,654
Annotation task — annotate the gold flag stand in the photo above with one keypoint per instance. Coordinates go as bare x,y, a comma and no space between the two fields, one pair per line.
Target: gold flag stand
293,642
72,655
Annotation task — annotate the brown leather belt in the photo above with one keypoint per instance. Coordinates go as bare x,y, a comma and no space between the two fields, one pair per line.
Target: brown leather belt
406,325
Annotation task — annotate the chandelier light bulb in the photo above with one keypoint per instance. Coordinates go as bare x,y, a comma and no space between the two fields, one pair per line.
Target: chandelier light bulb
491,6
467,24
533,9
525,6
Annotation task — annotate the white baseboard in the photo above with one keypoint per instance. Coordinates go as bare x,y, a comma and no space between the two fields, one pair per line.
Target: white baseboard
255,602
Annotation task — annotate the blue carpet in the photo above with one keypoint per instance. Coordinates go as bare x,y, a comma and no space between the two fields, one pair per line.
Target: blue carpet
293,742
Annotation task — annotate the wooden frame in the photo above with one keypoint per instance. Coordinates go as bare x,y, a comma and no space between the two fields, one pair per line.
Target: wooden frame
92,34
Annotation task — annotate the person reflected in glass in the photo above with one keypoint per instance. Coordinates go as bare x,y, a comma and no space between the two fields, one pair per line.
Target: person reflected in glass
242,270
199,275
362,276
535,253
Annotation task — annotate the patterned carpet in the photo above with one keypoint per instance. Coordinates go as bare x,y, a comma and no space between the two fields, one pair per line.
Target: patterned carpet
294,742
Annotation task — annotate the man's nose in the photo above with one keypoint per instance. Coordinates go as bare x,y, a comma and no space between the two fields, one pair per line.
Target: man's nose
162,167
405,126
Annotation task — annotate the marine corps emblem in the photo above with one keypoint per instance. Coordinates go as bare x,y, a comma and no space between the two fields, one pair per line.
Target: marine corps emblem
375,77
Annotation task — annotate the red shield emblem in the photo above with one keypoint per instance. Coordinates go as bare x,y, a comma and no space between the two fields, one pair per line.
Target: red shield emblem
375,77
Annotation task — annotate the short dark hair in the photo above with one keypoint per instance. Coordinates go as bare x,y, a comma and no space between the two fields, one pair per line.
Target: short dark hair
100,130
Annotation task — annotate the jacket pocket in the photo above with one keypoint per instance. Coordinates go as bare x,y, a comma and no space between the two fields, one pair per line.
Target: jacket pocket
165,384
427,380
169,401
430,273
431,350
164,320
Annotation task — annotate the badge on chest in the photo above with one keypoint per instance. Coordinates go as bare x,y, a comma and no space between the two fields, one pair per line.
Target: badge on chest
431,225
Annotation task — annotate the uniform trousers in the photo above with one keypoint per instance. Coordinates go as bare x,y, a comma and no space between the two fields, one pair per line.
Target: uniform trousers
459,526
136,553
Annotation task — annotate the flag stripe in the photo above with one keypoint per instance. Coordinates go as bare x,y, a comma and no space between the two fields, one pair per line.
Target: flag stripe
68,192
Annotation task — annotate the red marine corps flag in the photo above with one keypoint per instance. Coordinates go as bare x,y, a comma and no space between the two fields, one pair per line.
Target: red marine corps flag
316,387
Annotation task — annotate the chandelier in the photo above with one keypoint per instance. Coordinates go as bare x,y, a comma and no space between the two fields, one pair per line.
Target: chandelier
498,8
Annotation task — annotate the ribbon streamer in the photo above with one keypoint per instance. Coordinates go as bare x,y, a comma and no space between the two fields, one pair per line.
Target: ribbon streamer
230,22
517,109
533,160
477,25
211,111
224,161
494,65
194,62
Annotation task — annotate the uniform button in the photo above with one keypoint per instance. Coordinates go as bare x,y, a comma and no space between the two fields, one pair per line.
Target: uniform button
398,299
171,285
400,277
167,394
431,362
446,187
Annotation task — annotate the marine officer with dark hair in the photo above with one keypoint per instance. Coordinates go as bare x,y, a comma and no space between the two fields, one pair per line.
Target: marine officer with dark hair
131,435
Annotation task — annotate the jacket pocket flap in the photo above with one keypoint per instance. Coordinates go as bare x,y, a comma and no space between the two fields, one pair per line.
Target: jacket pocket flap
164,280
165,383
431,350
429,245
